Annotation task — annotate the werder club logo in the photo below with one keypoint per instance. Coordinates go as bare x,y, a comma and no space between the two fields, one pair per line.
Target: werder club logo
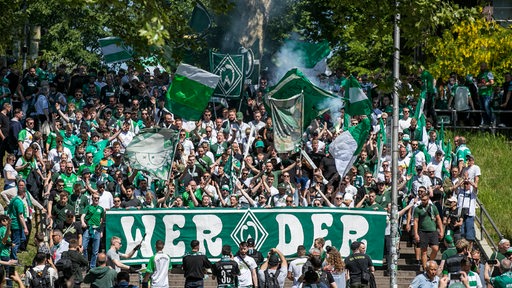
249,227
230,68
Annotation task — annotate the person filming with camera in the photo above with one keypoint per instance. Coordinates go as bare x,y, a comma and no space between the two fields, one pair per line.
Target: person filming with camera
466,203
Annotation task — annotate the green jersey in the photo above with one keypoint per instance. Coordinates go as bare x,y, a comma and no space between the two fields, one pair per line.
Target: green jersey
426,217
15,208
69,181
5,249
94,215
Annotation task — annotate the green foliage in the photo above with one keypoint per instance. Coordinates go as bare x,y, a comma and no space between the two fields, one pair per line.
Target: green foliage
71,29
493,154
468,43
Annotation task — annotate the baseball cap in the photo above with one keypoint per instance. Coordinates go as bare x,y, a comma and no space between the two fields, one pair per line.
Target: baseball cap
250,241
225,187
239,116
452,199
509,251
406,137
273,260
448,239
282,186
259,144
86,171
70,213
100,183
468,157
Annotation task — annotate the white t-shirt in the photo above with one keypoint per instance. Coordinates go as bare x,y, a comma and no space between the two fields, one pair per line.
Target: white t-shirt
473,172
245,278
280,278
159,265
295,268
8,168
39,268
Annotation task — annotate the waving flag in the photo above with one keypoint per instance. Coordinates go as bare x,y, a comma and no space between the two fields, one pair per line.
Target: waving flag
190,92
114,50
230,68
152,150
346,147
356,101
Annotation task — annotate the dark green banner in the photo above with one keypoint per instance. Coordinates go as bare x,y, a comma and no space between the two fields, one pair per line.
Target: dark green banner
284,229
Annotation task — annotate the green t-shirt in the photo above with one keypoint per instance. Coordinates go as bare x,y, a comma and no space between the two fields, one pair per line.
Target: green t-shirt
16,207
449,252
5,250
79,203
71,142
485,90
427,217
462,152
93,215
97,150
502,281
187,201
69,181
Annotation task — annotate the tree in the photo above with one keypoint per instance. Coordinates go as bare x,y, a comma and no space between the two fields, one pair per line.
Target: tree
462,48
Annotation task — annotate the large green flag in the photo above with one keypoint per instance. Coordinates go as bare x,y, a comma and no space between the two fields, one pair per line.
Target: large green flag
295,83
231,70
356,101
287,122
190,91
152,150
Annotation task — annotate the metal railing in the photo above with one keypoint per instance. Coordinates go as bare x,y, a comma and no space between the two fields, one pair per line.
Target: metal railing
483,218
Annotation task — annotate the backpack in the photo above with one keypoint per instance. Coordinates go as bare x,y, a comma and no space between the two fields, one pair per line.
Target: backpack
40,279
271,280
65,266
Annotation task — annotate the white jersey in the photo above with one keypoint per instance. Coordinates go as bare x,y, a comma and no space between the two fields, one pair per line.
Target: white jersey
245,277
159,266
295,268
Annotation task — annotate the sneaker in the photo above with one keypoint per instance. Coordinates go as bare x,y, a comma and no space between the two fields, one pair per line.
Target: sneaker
484,126
501,125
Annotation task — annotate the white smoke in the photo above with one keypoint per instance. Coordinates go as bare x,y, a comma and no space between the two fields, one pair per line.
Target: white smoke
334,105
288,58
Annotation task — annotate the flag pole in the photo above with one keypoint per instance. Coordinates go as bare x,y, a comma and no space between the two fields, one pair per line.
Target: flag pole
393,266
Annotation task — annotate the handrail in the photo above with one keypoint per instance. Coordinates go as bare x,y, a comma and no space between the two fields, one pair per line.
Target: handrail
480,220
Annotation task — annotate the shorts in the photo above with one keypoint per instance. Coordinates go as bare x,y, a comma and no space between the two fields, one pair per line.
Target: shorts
428,239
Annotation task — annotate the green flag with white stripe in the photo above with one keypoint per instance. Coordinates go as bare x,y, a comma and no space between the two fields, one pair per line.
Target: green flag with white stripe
356,101
114,50
190,91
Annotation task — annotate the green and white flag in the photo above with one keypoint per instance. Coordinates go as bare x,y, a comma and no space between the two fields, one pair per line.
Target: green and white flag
346,148
287,118
152,150
356,101
190,92
231,70
420,116
114,50
295,83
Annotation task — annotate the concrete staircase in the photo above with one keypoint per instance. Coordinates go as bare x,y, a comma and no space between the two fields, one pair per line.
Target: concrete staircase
407,270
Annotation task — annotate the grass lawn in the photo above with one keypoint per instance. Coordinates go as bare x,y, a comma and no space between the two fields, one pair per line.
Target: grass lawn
493,154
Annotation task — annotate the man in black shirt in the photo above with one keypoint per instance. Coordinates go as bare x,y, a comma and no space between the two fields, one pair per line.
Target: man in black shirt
194,264
359,265
5,123
255,254
226,270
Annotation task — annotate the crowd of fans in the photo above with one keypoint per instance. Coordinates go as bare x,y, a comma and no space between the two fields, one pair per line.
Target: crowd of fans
64,136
